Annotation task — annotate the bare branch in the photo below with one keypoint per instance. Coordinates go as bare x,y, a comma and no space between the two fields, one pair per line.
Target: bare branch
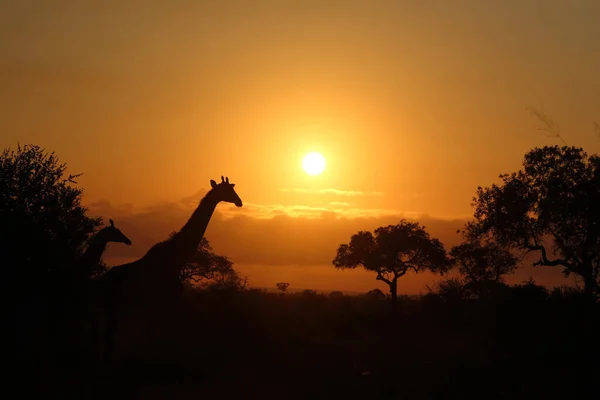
550,127
545,261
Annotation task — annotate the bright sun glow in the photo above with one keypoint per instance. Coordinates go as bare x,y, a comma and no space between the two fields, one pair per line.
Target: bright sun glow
313,163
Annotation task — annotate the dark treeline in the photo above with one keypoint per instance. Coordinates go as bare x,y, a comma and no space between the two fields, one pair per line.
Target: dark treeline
471,335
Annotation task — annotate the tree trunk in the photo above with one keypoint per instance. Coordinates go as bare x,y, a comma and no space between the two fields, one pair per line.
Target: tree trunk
590,284
394,293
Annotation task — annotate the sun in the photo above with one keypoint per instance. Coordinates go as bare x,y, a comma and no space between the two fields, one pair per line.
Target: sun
313,163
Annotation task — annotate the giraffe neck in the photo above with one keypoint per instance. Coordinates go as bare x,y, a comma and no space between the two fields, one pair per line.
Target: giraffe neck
193,231
172,255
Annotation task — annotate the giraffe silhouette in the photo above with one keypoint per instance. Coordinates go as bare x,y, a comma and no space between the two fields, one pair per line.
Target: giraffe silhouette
72,290
141,291
89,261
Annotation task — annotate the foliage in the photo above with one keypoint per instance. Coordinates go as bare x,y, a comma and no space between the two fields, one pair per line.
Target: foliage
487,262
206,268
528,291
563,291
392,251
482,266
556,197
45,225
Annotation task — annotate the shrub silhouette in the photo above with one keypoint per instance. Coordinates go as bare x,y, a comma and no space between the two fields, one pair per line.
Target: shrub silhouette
375,294
451,290
309,293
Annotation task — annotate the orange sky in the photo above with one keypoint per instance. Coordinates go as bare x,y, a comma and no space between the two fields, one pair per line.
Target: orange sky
413,103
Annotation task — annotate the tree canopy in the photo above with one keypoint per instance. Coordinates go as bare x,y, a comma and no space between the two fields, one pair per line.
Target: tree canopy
392,251
45,224
483,262
482,266
551,206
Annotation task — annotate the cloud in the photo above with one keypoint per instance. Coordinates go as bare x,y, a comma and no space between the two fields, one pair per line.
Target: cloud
335,209
262,234
101,206
340,204
275,240
336,192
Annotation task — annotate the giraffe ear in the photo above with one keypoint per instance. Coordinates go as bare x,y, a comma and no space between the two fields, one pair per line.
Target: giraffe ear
233,184
213,183
112,223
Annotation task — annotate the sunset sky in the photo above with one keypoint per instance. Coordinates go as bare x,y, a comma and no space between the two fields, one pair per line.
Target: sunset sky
412,103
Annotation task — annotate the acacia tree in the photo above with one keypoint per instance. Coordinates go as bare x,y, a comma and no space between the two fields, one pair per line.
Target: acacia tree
551,206
482,265
391,252
44,225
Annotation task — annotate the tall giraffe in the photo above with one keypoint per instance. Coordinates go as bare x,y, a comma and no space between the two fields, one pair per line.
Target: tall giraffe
143,288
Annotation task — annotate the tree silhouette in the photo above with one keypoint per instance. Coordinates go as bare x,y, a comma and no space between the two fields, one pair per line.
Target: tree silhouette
391,252
208,268
482,265
45,225
44,230
282,286
554,198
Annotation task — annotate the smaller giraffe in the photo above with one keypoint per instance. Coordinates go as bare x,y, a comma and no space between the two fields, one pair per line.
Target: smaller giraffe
80,285
88,263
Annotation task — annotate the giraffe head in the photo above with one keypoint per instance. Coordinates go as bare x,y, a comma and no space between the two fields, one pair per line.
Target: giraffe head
224,192
112,234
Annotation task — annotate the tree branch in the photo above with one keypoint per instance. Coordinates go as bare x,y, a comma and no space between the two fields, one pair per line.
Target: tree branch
398,274
380,277
545,261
